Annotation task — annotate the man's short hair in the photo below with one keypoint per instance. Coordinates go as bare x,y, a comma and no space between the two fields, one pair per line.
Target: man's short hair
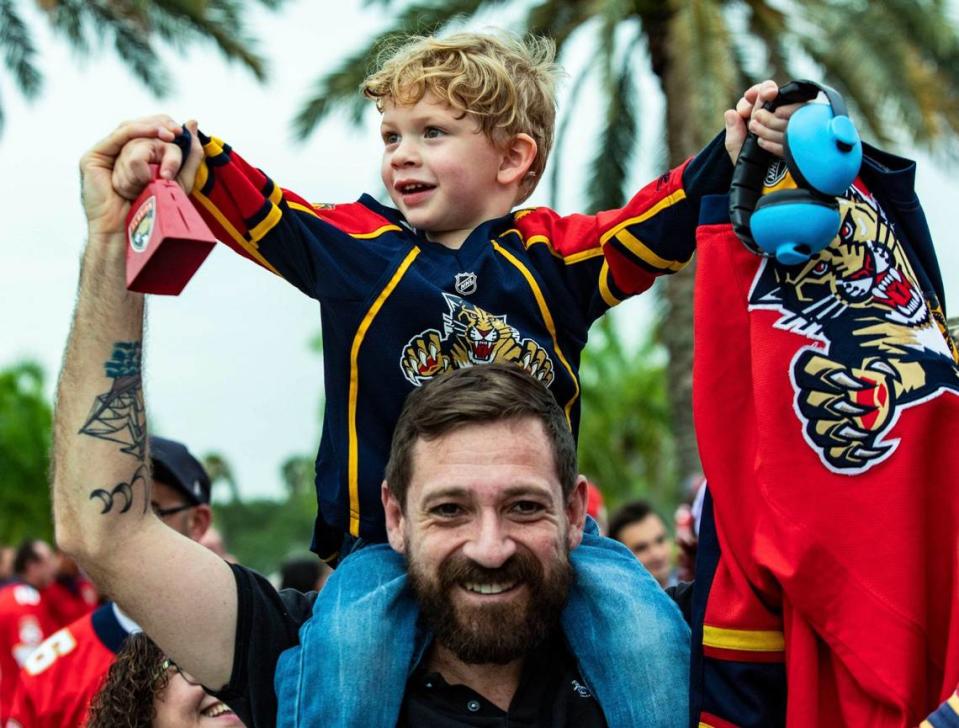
505,82
628,514
26,554
474,396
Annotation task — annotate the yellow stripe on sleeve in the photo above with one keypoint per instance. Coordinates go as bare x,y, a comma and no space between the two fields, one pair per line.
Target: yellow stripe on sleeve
604,291
301,208
266,224
638,248
677,196
376,233
547,319
249,247
354,455
953,703
567,259
746,640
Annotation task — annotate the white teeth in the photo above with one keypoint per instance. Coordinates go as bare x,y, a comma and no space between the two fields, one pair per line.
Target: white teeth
216,710
488,588
415,187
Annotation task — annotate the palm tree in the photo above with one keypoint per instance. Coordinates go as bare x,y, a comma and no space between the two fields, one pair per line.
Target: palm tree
895,61
625,443
134,27
218,468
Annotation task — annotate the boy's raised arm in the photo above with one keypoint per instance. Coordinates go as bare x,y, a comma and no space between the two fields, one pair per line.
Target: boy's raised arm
101,481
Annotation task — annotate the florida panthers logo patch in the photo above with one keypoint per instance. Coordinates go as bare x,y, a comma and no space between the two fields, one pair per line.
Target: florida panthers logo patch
879,345
471,336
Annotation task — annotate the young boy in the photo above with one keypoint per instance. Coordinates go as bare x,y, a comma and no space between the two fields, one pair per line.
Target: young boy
452,278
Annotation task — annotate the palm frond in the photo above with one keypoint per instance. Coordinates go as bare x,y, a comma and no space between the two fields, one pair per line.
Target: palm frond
18,50
69,18
610,167
557,19
340,87
715,81
566,117
768,24
225,28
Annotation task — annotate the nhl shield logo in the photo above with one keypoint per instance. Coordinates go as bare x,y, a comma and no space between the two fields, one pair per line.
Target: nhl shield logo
465,283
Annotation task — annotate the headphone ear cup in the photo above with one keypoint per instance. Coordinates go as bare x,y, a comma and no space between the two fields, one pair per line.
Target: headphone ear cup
794,225
823,151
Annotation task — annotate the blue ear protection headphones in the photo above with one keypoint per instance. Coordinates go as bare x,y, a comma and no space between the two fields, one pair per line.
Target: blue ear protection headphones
823,153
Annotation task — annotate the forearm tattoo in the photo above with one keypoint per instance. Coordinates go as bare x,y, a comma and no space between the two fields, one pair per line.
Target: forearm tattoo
124,490
119,416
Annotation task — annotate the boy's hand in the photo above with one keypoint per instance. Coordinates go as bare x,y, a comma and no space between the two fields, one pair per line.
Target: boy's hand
768,126
105,209
132,170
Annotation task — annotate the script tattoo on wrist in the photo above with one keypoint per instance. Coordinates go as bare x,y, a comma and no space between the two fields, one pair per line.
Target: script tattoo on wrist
118,415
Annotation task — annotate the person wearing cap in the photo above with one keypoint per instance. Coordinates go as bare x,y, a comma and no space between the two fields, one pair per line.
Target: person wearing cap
59,680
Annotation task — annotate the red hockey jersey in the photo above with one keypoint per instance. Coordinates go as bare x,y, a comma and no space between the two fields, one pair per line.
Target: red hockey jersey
61,677
24,623
826,398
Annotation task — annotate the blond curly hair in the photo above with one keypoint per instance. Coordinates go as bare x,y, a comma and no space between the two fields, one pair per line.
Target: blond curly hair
505,82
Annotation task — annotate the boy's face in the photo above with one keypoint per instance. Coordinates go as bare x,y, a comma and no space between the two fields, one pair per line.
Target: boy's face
441,171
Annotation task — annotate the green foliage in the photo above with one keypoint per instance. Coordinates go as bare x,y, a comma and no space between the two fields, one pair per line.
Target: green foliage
25,422
261,533
625,441
134,28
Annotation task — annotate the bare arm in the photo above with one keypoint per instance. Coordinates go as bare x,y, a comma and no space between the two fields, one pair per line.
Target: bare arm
182,595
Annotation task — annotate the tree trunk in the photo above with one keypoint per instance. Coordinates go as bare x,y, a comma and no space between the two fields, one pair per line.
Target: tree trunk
683,138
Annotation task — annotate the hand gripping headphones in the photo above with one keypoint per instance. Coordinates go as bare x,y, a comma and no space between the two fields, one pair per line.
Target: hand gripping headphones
823,153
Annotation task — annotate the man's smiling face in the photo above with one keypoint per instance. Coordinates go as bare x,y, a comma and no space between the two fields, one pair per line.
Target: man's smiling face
487,536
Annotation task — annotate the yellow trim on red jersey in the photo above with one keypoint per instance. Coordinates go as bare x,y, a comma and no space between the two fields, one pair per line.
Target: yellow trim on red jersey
301,208
567,259
354,456
746,640
604,291
359,236
638,248
376,233
266,224
547,319
249,247
677,196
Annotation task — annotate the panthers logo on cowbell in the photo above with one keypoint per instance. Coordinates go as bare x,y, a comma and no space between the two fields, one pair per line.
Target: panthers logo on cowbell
880,346
471,336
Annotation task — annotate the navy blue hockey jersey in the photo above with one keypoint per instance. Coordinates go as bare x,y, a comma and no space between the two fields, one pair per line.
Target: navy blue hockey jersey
397,310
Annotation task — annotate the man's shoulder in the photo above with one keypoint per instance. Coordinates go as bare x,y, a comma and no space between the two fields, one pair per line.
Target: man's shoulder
256,591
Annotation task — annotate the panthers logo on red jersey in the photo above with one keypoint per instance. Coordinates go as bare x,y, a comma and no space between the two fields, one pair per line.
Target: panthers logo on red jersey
880,345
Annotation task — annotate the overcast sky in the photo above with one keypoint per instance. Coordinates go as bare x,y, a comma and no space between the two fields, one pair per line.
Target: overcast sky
228,365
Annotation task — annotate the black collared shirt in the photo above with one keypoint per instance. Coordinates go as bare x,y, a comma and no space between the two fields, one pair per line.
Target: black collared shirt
551,694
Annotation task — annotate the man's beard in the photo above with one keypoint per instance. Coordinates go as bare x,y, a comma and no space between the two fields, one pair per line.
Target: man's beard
498,632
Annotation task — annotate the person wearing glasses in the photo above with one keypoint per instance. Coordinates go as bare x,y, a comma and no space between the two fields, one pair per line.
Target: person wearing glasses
60,678
145,689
